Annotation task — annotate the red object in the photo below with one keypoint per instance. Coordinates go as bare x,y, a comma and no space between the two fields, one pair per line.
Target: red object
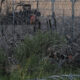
32,19
70,56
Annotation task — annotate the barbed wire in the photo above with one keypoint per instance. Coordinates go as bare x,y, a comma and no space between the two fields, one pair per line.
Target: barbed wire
67,17
62,77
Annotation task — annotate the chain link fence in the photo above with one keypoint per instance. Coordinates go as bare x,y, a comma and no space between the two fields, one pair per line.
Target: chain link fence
66,12
67,15
15,23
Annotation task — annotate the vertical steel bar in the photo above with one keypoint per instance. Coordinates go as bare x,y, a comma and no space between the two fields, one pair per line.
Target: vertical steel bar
52,5
37,4
72,29
13,27
63,24
72,19
13,1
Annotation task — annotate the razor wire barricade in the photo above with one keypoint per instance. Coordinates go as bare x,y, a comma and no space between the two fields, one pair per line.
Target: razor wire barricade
67,13
61,77
16,22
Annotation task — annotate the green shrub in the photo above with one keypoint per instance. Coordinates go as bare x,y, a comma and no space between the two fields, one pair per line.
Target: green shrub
2,56
37,44
31,53
33,49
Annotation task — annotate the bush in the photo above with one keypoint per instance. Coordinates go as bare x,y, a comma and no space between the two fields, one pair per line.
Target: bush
31,52
2,56
2,61
37,45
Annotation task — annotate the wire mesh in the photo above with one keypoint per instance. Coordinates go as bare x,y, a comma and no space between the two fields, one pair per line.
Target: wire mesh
63,11
15,23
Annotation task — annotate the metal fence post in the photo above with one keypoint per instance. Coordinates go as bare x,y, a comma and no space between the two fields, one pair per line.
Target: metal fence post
13,1
37,4
72,29
52,3
63,24
53,14
13,28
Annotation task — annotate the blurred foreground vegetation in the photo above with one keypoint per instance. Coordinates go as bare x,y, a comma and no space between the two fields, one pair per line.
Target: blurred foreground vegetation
32,57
